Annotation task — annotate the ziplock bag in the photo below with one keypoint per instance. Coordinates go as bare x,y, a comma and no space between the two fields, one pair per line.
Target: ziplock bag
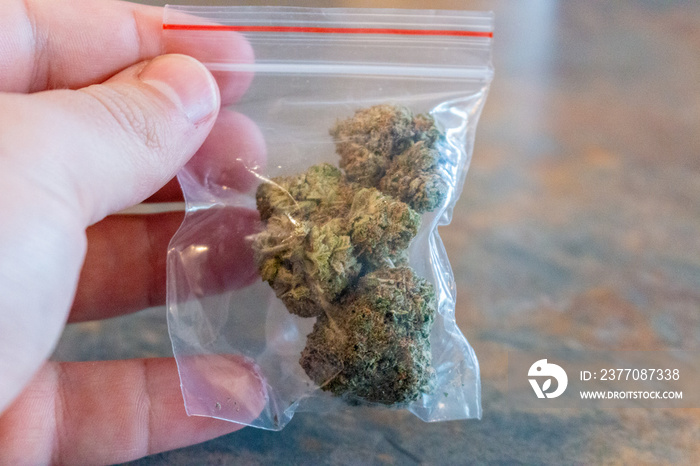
309,254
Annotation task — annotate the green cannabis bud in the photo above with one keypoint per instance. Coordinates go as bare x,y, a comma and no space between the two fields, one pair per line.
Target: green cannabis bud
413,177
374,346
335,247
321,192
305,252
381,227
388,147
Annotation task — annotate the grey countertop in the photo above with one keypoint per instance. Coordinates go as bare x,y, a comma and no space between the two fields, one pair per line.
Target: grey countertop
578,227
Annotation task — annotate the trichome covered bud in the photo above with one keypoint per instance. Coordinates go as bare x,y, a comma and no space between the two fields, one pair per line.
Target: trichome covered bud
414,178
305,253
367,142
381,227
335,247
390,148
321,192
374,346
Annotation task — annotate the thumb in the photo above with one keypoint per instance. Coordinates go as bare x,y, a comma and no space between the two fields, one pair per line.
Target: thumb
111,145
69,158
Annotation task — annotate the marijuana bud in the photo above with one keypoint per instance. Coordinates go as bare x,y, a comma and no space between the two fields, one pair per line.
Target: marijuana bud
374,346
305,253
367,142
335,247
321,189
381,227
389,148
425,129
414,178
383,129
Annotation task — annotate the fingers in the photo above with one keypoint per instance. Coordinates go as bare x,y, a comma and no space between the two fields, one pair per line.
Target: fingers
215,48
171,192
109,146
116,411
67,159
213,252
125,270
45,44
230,159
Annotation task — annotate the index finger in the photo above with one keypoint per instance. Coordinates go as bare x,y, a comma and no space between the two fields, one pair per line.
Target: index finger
113,411
47,44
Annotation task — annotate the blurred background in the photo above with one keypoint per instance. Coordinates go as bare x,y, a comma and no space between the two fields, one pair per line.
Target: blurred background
578,228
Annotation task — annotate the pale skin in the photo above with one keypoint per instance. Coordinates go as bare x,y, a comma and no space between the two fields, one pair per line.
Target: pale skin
92,122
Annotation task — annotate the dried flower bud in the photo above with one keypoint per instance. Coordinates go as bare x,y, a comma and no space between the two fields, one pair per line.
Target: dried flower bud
307,265
362,165
424,129
335,247
279,252
414,178
374,347
400,293
381,227
321,189
330,262
305,253
389,148
383,129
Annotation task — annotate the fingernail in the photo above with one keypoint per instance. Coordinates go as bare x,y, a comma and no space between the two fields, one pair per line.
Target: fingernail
186,82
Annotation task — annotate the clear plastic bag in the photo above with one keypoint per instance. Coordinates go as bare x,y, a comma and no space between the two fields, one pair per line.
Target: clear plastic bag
321,84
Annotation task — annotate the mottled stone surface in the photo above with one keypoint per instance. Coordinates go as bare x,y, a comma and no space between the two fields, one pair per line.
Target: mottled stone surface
579,227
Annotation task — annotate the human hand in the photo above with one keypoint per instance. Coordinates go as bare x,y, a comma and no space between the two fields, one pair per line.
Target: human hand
120,127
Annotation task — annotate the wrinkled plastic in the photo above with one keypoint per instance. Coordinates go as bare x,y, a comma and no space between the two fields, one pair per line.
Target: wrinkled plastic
311,68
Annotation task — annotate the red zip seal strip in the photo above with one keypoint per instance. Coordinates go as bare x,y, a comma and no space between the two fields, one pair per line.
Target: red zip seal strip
325,30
